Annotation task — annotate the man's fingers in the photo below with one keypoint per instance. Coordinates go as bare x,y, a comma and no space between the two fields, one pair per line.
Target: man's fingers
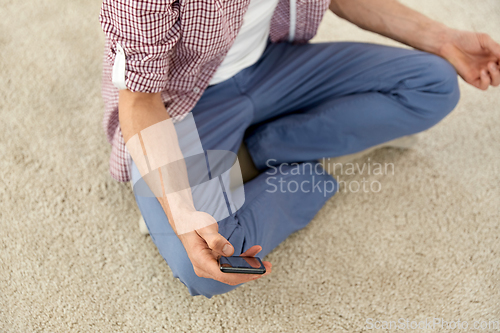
236,278
215,241
252,261
485,80
494,74
252,252
206,266
268,267
212,270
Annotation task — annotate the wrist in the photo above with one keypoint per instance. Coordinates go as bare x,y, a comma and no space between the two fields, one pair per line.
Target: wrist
175,212
434,38
185,220
442,41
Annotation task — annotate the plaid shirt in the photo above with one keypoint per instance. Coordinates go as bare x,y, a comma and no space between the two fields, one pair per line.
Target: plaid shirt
175,47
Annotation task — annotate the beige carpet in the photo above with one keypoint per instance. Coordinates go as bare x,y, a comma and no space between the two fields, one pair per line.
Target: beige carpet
72,258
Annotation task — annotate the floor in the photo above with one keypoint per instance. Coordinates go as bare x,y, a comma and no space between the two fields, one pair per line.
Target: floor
72,259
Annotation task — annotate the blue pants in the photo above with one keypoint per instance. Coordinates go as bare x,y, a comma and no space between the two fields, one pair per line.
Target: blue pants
300,103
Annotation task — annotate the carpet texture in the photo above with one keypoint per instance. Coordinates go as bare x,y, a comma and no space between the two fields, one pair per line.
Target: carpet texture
72,259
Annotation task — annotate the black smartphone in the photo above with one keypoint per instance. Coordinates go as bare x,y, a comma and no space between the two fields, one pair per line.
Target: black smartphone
239,264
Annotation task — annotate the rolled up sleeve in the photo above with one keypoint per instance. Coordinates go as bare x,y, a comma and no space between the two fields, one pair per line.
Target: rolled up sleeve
146,30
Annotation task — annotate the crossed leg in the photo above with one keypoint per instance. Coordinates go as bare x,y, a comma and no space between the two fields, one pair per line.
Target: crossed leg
299,103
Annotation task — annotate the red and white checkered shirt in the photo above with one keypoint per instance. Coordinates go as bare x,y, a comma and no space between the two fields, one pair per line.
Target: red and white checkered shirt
175,47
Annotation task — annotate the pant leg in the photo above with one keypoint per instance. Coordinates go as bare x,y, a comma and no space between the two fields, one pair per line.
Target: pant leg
270,214
275,205
333,99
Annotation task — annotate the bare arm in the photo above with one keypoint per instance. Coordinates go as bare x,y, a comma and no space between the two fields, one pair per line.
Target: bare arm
141,111
133,119
394,20
475,56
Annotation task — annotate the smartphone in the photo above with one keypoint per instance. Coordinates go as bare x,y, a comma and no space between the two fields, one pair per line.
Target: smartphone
239,264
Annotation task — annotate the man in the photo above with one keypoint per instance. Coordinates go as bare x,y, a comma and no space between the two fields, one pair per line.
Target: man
287,100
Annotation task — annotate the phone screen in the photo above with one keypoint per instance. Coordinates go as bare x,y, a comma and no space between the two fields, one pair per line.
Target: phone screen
239,264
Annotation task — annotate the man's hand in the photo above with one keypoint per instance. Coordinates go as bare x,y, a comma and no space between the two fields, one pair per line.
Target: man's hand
204,246
475,56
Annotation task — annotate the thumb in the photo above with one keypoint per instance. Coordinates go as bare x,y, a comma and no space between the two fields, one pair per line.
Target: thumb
215,241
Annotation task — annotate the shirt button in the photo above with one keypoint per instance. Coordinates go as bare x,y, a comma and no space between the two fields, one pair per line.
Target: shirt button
196,90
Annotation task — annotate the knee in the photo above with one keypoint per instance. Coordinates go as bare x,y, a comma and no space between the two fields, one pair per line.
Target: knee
197,285
442,79
436,93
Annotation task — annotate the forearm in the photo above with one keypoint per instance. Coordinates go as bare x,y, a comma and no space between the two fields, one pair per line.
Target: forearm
394,20
152,141
140,112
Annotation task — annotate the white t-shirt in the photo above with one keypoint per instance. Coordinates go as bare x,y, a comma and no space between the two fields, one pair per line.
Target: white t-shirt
250,42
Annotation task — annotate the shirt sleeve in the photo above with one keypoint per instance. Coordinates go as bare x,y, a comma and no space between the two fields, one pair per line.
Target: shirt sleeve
143,32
